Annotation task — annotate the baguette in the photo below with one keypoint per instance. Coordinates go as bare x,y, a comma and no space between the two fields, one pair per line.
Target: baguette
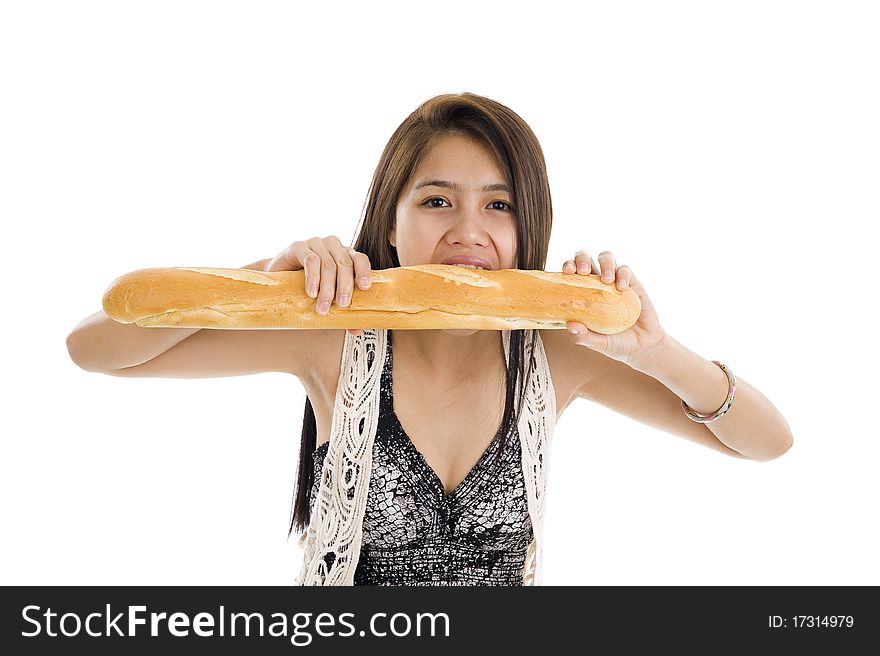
427,296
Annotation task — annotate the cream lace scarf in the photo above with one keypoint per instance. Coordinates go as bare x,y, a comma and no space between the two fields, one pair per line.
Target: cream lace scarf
337,516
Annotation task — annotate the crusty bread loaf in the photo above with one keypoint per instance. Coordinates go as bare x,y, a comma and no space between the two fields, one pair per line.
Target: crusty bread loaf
410,297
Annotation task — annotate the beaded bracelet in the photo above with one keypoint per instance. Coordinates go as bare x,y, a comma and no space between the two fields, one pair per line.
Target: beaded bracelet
706,419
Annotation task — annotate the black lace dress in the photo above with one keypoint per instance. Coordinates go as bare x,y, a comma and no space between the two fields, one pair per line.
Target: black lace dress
416,534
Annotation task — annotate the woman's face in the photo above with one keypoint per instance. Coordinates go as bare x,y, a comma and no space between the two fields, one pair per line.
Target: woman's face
436,222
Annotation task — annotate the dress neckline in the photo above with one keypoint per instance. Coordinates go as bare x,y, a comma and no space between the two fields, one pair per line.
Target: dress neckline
436,482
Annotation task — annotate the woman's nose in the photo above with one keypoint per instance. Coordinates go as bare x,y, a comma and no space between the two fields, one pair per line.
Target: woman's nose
469,233
470,221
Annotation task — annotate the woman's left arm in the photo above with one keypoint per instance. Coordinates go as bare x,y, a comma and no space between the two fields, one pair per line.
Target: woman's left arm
751,426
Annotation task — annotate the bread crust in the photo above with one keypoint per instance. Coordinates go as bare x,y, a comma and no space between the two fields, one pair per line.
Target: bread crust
428,296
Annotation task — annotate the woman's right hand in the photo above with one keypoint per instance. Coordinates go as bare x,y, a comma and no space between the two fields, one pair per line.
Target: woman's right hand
331,270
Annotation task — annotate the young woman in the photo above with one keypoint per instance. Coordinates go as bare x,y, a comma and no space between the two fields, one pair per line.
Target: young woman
424,452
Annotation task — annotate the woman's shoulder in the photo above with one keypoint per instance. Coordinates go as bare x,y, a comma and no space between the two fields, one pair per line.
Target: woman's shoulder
569,363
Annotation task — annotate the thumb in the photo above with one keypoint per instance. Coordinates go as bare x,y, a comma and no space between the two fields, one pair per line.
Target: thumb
582,335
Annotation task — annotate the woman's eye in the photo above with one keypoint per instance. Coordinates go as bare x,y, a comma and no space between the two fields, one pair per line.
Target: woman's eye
431,200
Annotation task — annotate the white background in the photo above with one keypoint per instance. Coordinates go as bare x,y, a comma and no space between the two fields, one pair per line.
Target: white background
726,152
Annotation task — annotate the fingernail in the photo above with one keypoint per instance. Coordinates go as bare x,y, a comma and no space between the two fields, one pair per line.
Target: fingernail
606,277
573,331
323,307
365,282
312,289
343,300
583,267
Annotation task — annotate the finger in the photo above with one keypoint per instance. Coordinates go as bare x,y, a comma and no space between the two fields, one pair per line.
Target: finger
299,256
585,263
582,335
362,272
578,331
311,262
636,285
313,253
624,276
607,265
287,260
344,274
575,328
326,273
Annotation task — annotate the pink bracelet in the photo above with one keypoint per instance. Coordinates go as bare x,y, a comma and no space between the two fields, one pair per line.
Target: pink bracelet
706,419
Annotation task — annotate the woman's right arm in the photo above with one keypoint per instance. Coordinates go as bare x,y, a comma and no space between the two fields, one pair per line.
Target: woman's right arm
100,344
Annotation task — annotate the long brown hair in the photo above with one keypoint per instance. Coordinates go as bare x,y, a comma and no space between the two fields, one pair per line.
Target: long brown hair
521,160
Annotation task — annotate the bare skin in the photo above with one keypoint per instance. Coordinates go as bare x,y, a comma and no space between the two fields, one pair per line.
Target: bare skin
451,425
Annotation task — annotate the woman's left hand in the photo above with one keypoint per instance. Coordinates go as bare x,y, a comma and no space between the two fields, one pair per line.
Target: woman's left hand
630,345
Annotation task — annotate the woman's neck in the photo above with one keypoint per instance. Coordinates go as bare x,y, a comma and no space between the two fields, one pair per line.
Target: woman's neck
445,357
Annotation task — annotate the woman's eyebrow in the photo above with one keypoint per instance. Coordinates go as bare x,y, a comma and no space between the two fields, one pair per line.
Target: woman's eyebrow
498,186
